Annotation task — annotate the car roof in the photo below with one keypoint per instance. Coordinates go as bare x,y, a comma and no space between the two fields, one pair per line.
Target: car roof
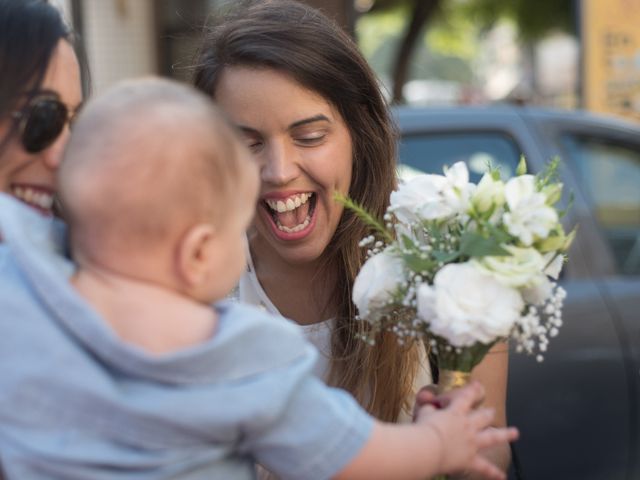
434,118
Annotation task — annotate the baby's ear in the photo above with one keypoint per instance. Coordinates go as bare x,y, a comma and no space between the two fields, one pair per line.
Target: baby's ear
195,255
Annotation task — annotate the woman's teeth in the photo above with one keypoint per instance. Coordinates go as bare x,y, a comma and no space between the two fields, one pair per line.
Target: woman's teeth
34,197
297,228
290,203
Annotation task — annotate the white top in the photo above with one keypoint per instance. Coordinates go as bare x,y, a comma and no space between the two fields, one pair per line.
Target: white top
319,334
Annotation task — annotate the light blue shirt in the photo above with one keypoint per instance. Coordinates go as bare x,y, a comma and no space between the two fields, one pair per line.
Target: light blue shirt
78,403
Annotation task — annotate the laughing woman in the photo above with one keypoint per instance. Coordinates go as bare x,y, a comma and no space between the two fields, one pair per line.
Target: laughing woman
39,91
312,114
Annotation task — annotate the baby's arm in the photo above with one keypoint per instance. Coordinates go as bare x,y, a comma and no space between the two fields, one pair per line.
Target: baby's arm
443,441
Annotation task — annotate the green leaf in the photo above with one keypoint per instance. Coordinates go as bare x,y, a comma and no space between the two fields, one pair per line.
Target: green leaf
434,230
445,257
550,174
463,361
418,264
475,245
562,213
554,241
570,238
407,242
522,166
497,234
553,192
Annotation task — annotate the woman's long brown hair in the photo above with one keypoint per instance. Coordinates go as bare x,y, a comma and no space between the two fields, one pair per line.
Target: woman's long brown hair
301,42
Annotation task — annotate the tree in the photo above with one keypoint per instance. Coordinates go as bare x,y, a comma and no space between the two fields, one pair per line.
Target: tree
534,19
421,12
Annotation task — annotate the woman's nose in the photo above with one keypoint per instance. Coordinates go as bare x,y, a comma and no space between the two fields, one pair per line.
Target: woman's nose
280,165
52,155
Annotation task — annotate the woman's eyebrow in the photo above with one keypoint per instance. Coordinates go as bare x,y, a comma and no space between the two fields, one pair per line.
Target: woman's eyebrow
316,118
247,130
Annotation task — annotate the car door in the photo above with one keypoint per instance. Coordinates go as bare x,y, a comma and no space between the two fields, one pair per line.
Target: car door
563,406
607,164
600,312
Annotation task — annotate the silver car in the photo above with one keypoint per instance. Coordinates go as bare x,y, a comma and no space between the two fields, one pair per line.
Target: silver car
579,410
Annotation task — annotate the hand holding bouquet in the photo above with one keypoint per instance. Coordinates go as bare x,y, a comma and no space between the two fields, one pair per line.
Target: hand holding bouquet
464,266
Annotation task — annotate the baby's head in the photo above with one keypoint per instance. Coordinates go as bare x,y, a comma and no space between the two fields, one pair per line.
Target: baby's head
157,188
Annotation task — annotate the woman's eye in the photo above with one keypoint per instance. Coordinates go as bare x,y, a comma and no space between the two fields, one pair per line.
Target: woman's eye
254,144
311,140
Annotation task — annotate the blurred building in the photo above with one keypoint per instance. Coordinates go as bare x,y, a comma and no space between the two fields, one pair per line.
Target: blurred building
611,56
131,38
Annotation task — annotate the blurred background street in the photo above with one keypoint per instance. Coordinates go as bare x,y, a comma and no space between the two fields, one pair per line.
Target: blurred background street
558,53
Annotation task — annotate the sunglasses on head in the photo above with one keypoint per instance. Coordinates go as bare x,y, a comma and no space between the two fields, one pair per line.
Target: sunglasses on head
41,121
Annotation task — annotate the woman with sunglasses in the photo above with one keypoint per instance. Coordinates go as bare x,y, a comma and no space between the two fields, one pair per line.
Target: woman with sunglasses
40,91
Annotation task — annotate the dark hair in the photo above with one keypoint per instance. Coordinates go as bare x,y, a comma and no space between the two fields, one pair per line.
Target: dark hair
303,43
29,33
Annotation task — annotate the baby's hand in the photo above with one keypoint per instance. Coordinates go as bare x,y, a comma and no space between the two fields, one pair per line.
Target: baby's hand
463,431
428,395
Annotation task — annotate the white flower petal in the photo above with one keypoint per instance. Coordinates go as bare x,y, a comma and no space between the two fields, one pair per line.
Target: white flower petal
554,264
519,189
470,306
458,174
376,282
539,293
519,270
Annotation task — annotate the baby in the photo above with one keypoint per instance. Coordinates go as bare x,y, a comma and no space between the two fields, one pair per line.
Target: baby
120,367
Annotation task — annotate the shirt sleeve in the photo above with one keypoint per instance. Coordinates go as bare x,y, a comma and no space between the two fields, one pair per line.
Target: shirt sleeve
314,432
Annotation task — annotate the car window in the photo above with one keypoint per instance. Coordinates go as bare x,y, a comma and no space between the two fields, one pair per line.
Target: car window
610,175
431,152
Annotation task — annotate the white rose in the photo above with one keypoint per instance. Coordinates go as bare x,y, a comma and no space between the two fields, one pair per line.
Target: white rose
433,197
520,269
489,193
376,282
465,306
421,190
529,216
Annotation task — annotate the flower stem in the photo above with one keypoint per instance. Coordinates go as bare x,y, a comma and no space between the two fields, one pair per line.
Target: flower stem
365,216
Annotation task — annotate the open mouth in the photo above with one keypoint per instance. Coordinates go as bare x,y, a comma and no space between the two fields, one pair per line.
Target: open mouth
293,214
36,197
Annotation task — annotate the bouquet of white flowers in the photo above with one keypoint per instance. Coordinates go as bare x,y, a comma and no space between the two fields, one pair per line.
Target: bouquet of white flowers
464,266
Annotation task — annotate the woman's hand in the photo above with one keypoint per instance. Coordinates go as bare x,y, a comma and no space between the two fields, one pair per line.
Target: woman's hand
491,372
428,395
